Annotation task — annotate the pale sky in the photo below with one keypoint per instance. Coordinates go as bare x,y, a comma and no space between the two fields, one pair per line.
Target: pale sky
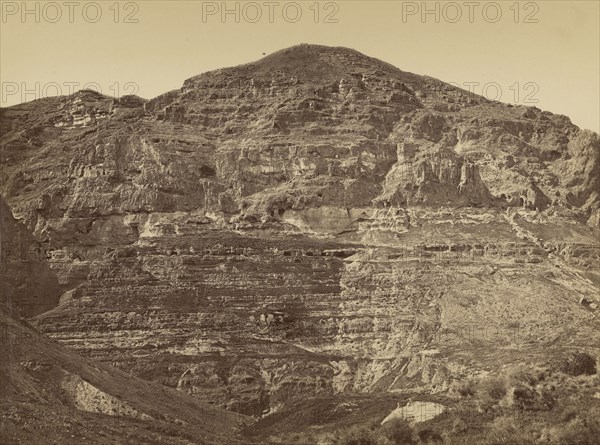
544,53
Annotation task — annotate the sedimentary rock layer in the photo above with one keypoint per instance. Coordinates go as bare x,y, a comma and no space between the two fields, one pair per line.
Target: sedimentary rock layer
316,222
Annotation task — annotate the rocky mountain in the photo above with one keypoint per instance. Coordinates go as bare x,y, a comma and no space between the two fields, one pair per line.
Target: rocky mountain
49,394
317,223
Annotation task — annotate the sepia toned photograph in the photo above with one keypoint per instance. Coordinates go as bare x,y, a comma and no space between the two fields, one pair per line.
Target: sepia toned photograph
311,222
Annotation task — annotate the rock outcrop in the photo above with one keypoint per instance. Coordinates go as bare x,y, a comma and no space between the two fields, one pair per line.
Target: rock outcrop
51,395
29,286
317,222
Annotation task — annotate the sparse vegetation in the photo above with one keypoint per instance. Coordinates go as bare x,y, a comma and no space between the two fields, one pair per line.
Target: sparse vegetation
490,391
398,431
522,405
579,363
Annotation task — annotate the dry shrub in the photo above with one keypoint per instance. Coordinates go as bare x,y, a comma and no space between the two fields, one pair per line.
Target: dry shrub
490,391
398,432
579,363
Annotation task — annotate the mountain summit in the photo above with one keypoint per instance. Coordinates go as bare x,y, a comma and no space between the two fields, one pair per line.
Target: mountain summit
352,129
315,224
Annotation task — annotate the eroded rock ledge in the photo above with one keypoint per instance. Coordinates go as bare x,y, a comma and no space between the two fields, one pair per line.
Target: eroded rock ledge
316,222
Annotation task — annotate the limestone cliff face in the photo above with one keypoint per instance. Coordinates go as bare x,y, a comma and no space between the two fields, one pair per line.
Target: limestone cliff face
315,222
303,128
60,393
29,287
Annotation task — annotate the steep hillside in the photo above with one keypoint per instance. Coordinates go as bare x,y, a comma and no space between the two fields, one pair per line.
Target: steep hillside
315,223
50,395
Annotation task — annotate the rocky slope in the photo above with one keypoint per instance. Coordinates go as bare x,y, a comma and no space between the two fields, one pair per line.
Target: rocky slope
50,395
29,286
315,223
